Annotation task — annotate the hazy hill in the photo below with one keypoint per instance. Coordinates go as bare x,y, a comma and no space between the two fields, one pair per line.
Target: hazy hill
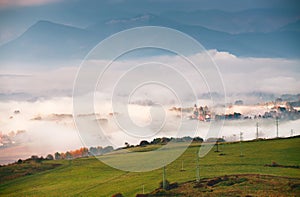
291,27
46,40
245,21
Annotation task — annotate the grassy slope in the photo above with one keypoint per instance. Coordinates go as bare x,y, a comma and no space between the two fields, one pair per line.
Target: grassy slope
13,171
236,185
88,176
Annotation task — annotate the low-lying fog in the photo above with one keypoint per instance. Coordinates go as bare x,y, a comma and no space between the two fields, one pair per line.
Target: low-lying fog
42,127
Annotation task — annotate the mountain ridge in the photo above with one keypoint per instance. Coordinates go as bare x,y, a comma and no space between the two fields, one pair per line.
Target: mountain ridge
46,40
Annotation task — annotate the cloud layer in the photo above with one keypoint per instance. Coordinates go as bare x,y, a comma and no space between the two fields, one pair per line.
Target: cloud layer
240,75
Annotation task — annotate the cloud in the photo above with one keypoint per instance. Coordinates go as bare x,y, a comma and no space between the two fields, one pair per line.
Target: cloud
240,75
272,75
56,82
24,3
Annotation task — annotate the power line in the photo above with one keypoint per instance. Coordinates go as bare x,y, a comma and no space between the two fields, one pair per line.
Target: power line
276,126
256,130
241,139
197,168
164,177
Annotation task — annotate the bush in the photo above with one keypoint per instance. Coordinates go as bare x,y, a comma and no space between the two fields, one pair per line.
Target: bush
173,185
167,185
213,139
161,192
214,181
142,195
144,143
117,195
197,139
49,157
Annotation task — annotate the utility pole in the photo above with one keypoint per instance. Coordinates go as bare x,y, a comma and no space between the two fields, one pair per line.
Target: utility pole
217,144
164,177
292,132
241,139
276,126
223,142
197,168
256,130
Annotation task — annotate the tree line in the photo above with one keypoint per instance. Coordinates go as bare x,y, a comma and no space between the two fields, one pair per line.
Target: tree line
73,154
99,150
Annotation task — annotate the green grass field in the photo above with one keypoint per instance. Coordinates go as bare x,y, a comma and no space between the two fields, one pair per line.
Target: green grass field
90,177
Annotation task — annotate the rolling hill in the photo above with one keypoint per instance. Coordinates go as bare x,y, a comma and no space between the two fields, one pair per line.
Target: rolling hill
90,177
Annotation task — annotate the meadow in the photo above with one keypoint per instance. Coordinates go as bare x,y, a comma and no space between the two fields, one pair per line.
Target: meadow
90,177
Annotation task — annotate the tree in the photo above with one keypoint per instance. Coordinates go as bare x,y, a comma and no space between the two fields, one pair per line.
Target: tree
84,152
34,157
127,144
239,102
100,150
62,155
156,141
165,140
49,157
107,149
187,139
197,139
57,156
69,155
212,139
144,143
93,151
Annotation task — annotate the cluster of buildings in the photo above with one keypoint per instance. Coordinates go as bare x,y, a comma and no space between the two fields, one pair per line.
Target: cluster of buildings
283,110
201,113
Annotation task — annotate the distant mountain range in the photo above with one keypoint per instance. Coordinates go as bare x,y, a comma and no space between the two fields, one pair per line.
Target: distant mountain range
46,41
291,27
245,21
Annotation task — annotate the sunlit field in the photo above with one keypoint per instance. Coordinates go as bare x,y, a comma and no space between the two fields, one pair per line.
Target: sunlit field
90,177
